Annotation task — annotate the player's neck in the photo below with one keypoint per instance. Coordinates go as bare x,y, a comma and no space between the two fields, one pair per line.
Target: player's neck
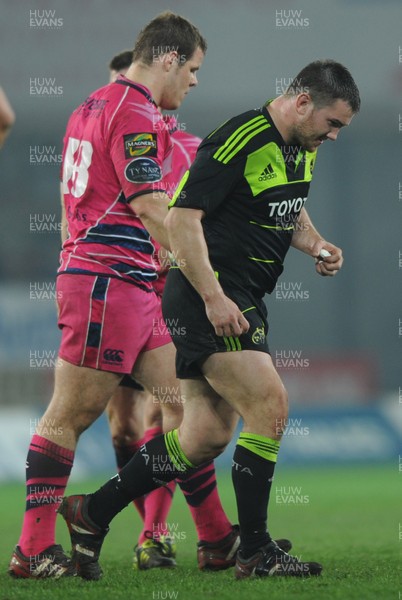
279,111
147,77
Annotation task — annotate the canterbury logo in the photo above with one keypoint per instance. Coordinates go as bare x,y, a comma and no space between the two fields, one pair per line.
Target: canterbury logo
111,355
268,173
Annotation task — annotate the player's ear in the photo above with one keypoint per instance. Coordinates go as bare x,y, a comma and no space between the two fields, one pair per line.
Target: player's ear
170,59
303,103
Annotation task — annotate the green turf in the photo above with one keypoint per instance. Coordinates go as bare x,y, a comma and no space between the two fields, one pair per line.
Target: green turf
348,519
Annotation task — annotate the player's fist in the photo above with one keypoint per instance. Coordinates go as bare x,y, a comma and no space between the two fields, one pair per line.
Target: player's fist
226,317
328,258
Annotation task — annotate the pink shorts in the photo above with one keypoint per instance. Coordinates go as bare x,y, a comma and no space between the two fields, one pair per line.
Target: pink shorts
107,323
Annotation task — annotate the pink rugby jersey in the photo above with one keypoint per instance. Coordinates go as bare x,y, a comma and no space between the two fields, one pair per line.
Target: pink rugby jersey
114,150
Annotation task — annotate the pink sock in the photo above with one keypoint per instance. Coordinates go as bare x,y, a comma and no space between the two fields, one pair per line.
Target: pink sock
158,502
157,507
201,493
48,469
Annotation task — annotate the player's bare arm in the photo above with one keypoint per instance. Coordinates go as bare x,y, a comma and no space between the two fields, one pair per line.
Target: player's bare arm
152,209
191,254
307,239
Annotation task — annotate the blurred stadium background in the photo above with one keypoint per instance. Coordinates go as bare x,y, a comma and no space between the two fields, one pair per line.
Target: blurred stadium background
335,342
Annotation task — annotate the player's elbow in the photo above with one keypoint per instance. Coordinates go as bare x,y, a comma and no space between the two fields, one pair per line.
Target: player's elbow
182,219
150,205
141,207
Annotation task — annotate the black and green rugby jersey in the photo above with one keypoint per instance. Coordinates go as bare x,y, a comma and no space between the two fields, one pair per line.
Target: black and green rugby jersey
251,186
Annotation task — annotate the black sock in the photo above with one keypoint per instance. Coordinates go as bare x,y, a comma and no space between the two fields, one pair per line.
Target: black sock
252,479
157,462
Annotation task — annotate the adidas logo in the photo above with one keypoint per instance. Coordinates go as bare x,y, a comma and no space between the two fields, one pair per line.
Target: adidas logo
268,173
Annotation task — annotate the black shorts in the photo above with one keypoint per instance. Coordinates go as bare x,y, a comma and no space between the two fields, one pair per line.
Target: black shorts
129,382
193,334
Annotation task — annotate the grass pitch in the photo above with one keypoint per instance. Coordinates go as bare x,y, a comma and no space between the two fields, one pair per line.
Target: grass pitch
349,519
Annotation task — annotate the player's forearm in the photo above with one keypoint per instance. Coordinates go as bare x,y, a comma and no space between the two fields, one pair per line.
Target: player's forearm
191,253
152,209
305,235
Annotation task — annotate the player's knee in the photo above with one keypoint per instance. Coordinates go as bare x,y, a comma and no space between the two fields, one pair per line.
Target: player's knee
123,437
204,454
202,445
269,415
173,412
84,419
280,411
123,429
219,447
214,446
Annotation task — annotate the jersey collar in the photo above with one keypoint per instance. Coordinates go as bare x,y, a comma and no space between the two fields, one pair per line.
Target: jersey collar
122,80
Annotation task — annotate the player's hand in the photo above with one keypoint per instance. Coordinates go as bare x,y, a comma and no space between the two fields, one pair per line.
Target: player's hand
226,317
327,265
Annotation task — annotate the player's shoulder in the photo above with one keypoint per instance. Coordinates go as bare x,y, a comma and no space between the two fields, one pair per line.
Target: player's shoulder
237,135
132,104
99,102
234,123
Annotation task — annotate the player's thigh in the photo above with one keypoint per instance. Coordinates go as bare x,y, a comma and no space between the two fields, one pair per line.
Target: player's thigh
249,382
80,395
152,413
208,421
155,370
125,414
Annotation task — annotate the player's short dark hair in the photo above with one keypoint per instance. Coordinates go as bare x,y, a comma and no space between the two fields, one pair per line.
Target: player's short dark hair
326,81
121,61
165,33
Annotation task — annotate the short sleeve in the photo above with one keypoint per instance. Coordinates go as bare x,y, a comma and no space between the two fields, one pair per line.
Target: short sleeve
141,154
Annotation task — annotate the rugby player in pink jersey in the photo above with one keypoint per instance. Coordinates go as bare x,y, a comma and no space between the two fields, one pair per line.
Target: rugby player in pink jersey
116,160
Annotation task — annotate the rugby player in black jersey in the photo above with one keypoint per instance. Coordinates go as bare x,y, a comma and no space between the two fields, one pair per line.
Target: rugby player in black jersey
232,220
